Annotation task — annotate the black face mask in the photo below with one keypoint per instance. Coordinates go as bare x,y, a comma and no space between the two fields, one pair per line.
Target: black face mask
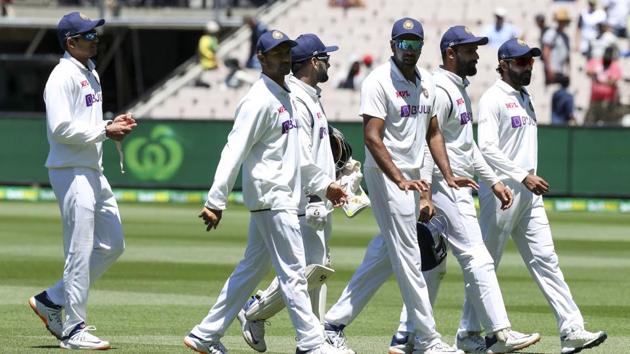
522,79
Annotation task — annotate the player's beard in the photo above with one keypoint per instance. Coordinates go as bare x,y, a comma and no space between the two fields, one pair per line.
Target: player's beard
522,78
322,74
466,68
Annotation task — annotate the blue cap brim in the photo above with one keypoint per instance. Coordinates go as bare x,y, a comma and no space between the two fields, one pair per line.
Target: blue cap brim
292,44
331,48
89,25
531,52
474,40
408,32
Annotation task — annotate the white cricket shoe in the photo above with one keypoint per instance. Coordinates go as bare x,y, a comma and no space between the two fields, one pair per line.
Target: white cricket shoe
81,338
204,346
470,342
49,313
579,338
325,348
253,332
336,338
439,348
402,343
506,341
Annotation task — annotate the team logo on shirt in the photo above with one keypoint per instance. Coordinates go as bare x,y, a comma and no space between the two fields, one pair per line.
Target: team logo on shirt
281,109
460,101
92,98
402,94
511,105
425,92
84,83
288,125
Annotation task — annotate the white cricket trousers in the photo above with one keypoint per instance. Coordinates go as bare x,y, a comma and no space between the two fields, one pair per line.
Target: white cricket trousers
317,252
395,250
273,239
466,243
92,237
527,222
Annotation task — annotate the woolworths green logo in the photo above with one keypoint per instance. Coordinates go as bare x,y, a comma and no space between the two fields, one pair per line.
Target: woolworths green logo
156,158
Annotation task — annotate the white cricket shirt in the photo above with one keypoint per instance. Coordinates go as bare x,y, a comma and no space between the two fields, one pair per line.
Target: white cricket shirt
315,151
74,115
264,140
507,131
406,107
455,118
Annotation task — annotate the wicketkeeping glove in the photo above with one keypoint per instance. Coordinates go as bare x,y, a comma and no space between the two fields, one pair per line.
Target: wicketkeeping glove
316,214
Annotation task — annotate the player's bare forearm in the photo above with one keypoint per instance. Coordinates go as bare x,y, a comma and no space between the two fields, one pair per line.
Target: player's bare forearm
373,132
435,142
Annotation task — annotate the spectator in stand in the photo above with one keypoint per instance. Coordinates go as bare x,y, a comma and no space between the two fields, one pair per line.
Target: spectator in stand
352,80
542,27
586,29
604,39
7,10
500,31
207,48
237,77
605,73
617,11
556,48
345,3
562,104
368,62
258,28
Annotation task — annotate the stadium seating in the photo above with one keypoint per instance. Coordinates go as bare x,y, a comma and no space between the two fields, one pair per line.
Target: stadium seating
366,30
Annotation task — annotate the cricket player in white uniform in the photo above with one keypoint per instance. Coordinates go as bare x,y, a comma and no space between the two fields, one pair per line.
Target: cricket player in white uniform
264,140
454,112
310,65
508,140
92,231
398,115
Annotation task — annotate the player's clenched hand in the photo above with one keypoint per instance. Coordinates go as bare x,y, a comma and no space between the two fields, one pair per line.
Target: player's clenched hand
504,194
211,217
536,184
413,185
120,127
336,194
457,182
427,210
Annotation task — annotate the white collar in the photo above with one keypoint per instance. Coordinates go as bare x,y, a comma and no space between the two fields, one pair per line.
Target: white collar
80,65
453,77
313,92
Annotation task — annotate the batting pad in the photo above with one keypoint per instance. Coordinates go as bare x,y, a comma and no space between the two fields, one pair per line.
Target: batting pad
270,302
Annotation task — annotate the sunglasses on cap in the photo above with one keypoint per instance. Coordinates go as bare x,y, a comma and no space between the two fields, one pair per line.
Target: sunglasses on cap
323,58
88,36
414,45
523,61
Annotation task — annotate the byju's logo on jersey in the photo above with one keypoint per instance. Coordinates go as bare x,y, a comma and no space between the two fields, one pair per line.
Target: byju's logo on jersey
465,117
412,110
92,98
288,125
521,121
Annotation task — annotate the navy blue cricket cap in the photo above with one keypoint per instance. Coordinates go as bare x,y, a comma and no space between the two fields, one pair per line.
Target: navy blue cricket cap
272,39
308,46
516,48
458,35
407,25
75,23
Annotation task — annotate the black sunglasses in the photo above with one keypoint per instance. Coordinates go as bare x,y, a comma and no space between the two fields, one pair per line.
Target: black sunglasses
88,36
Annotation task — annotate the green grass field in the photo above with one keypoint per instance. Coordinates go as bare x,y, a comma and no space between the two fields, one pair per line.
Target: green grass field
172,270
